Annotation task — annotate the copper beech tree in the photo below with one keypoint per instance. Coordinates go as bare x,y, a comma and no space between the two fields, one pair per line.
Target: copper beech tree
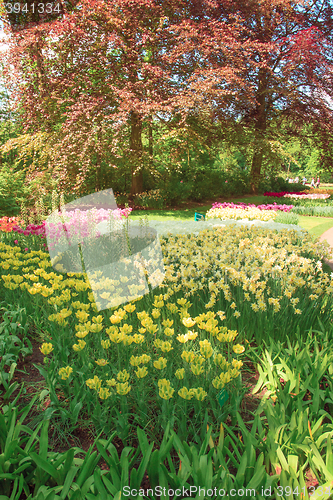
90,82
284,65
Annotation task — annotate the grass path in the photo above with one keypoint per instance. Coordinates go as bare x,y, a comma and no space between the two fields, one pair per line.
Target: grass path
315,225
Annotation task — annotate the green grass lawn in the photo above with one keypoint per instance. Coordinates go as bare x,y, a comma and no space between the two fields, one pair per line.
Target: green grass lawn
188,213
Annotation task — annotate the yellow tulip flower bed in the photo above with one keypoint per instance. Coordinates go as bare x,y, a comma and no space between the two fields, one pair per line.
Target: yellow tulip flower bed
250,213
168,354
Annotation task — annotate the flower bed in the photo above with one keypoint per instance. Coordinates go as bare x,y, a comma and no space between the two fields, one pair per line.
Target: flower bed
246,211
74,220
167,347
310,196
246,206
8,223
281,194
173,359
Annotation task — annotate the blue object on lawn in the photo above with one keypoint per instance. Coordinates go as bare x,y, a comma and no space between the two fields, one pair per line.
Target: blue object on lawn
198,216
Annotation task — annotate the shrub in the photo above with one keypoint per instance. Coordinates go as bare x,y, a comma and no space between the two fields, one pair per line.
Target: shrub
210,184
12,191
279,184
315,211
121,198
176,190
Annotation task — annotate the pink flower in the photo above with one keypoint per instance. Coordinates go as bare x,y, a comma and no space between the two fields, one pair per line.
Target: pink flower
226,182
16,242
26,249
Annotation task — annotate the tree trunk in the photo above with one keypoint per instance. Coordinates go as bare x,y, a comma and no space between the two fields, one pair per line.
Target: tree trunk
98,179
98,174
37,52
136,154
256,169
259,130
150,146
150,138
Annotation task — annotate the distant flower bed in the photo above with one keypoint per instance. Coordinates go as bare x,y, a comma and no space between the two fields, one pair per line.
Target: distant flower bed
246,211
315,196
284,193
246,206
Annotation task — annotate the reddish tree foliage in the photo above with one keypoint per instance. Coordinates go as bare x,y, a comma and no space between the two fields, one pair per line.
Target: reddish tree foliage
83,80
279,70
90,82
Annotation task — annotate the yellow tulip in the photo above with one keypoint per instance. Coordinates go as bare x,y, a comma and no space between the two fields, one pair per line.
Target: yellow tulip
102,362
141,372
238,349
185,393
46,348
65,372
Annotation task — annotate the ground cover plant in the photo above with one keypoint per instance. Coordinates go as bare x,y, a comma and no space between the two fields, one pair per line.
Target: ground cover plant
316,211
227,292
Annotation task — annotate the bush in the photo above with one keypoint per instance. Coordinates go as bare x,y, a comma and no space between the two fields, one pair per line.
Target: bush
121,198
278,184
150,199
12,191
316,211
176,190
210,184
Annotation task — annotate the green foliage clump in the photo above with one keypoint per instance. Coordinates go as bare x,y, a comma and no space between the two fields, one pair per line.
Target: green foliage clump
278,184
12,190
209,184
287,218
315,211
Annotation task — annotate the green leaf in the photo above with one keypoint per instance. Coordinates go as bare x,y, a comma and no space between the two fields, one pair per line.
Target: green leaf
45,465
320,494
68,482
88,466
143,441
99,486
111,488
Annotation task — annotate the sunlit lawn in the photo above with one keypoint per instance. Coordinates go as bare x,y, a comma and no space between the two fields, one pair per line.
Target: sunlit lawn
315,225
